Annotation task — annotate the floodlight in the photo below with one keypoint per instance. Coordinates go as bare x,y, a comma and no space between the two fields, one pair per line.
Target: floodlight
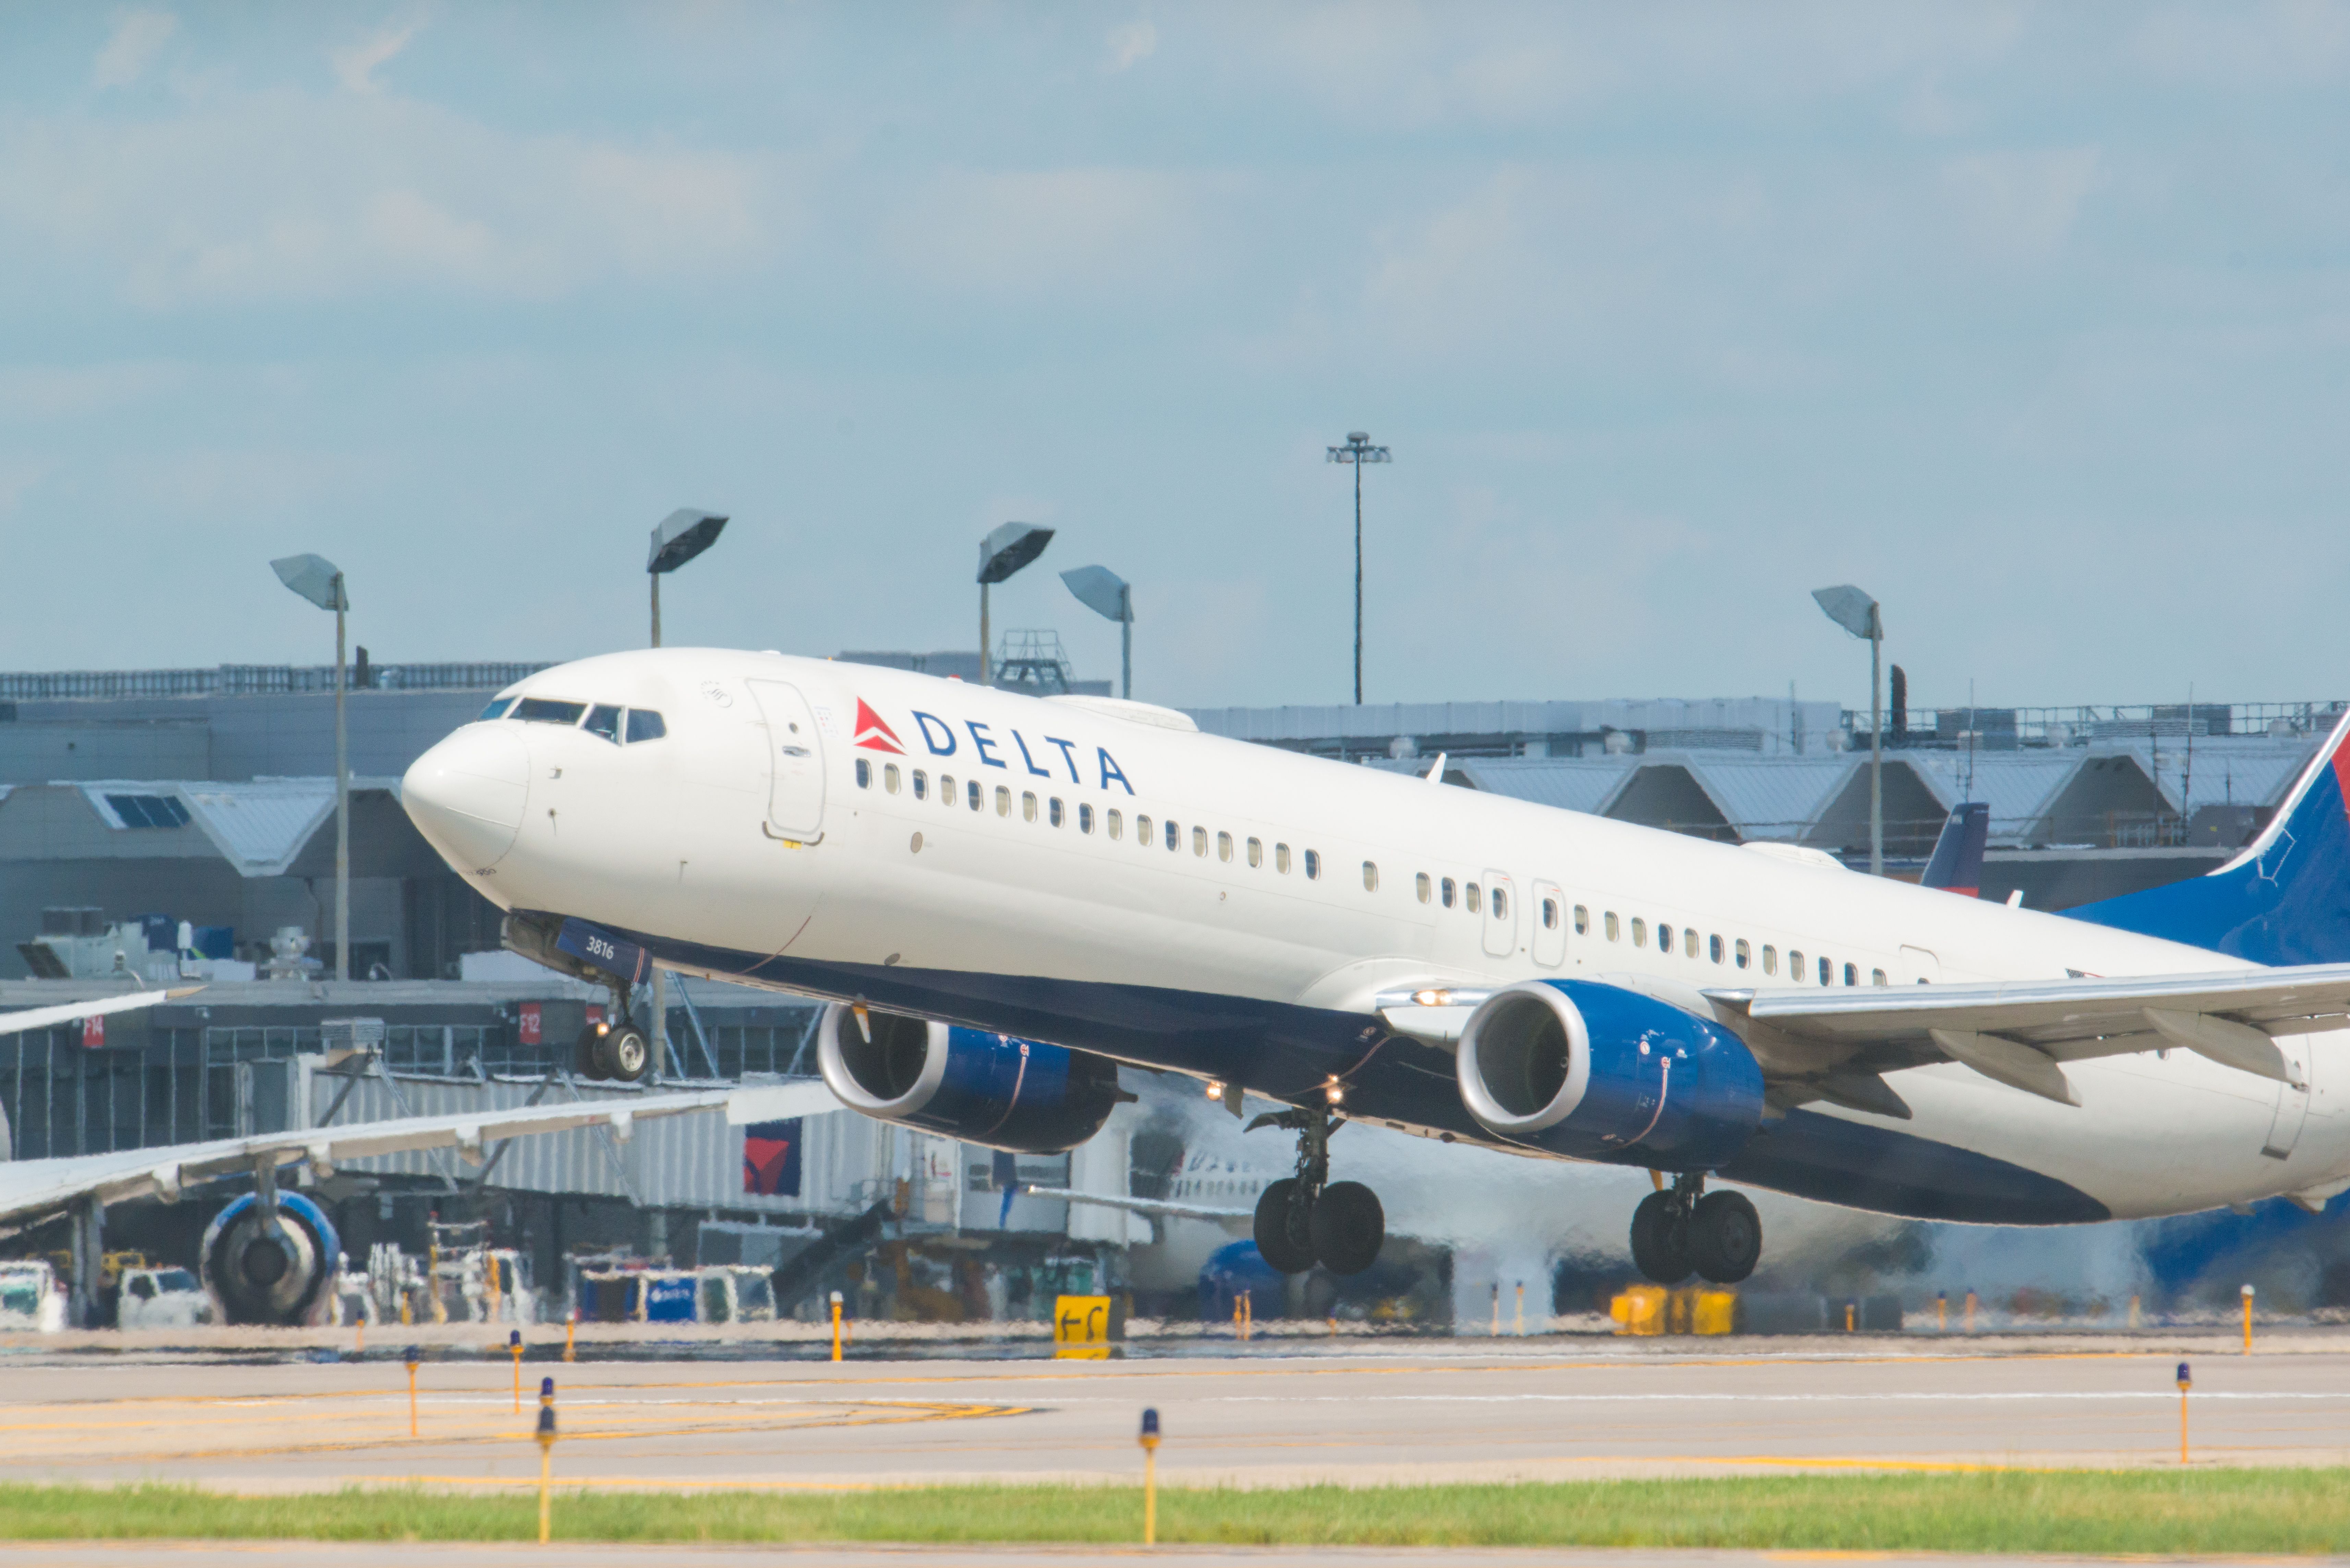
1851,609
682,534
1108,594
316,578
1009,548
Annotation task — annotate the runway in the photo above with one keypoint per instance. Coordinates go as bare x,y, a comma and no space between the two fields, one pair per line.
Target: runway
1399,1413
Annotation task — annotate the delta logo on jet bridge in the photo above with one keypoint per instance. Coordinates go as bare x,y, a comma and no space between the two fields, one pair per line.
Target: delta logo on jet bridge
874,735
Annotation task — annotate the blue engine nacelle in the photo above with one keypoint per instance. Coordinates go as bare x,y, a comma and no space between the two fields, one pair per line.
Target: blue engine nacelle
276,1274
1595,1071
989,1090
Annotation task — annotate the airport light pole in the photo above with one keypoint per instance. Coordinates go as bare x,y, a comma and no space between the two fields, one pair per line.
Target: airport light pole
1108,594
1859,615
676,539
320,581
1002,553
1358,451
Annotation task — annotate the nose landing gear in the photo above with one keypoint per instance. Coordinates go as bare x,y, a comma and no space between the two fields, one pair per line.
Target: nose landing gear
615,1052
1306,1219
1684,1227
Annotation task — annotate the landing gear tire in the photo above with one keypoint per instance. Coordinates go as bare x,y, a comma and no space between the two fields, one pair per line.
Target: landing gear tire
1661,1240
587,1056
628,1054
1724,1237
1348,1227
1287,1248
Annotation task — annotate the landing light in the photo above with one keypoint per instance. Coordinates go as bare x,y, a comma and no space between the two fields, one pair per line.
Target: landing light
1432,998
1335,1091
1215,1088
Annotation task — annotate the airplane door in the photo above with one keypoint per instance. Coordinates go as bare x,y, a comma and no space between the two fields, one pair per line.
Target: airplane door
2292,1103
1550,925
1500,914
796,788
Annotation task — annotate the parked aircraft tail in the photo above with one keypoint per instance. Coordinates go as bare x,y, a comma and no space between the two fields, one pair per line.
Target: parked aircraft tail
2284,900
1957,860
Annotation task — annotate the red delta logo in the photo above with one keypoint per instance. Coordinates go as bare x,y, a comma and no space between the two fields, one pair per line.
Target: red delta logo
873,734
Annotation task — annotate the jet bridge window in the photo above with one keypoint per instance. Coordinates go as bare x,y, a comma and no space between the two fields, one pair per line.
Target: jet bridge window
149,810
644,724
604,720
547,711
496,710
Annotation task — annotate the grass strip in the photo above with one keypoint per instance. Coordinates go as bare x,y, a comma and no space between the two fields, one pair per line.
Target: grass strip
2284,1511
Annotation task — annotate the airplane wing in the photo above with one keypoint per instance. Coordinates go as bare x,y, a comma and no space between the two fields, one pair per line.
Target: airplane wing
66,1013
1837,1044
1154,1207
33,1188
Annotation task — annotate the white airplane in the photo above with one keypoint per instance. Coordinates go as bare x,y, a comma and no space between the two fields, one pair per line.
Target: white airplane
971,874
269,1256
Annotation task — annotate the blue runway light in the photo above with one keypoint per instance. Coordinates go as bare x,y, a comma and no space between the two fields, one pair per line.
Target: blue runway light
413,1355
546,1387
1149,1424
2184,1380
514,1339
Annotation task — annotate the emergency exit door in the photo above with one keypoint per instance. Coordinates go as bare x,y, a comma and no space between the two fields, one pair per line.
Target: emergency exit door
794,760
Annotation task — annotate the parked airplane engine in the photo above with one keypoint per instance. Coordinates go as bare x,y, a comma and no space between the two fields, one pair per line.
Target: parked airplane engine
989,1089
1590,1070
273,1275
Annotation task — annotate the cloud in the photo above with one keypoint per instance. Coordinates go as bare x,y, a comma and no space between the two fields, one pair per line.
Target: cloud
137,39
1027,232
355,67
1135,42
2020,206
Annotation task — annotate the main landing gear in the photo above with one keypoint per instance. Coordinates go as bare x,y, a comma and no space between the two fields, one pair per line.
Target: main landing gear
1683,1228
1307,1218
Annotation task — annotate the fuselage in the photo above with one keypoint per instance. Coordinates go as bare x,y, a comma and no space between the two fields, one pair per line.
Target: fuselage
1103,876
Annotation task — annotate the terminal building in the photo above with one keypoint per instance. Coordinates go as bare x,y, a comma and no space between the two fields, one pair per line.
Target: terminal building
157,824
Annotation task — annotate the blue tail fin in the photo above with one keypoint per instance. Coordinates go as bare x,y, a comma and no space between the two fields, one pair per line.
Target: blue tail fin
1958,861
2284,900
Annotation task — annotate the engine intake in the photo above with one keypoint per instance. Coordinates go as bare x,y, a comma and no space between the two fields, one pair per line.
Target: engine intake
1595,1072
275,1275
988,1089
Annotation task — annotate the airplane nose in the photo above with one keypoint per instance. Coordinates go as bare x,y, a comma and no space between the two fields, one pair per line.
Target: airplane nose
466,795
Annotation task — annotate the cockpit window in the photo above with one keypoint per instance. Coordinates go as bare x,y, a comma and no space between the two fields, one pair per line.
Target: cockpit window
644,724
547,710
604,720
497,708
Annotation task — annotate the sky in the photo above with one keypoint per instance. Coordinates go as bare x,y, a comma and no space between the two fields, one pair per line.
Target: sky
2029,319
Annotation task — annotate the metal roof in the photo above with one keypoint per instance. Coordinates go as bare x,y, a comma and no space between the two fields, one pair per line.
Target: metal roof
1582,783
2020,786
258,826
1764,797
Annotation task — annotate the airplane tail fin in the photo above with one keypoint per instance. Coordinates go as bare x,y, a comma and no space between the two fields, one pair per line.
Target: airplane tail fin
2284,900
1957,860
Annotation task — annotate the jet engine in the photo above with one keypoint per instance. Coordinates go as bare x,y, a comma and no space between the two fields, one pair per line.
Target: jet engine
273,1274
989,1089
1592,1070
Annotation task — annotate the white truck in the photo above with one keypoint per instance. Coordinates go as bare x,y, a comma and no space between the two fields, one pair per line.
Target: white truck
30,1296
161,1298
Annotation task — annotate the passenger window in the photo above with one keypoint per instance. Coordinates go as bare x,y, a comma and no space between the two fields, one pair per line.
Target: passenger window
496,710
644,724
1448,892
1472,897
1224,846
1117,825
864,773
1084,817
1370,878
1745,954
1688,940
1876,977
1549,914
1174,837
604,720
1714,949
1003,800
1664,938
1281,858
547,710
922,784
973,788
1142,830
1770,959
947,791
1827,971
1795,964
889,777
1421,886
1500,903
1256,852
1639,932
1027,806
1313,864
1851,975
1200,842
1053,811
1611,926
